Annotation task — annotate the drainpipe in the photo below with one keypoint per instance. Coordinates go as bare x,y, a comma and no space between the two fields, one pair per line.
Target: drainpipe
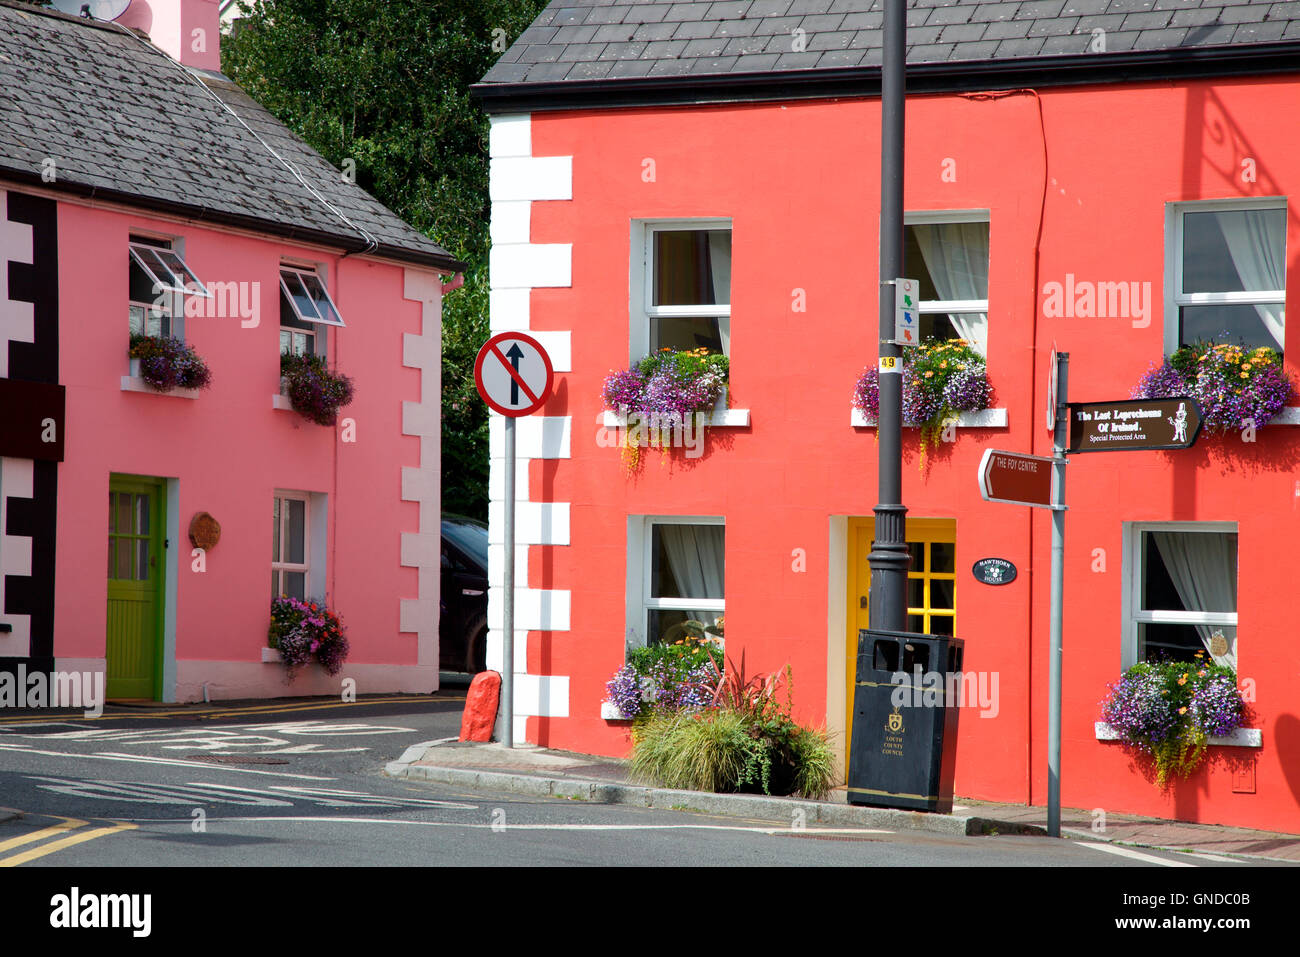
454,283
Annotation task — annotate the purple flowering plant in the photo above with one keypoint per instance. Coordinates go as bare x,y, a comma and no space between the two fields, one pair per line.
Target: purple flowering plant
668,676
167,363
315,392
1167,710
662,390
1235,387
306,631
941,377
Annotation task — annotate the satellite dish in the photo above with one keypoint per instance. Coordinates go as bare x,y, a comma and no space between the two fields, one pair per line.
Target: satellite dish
98,9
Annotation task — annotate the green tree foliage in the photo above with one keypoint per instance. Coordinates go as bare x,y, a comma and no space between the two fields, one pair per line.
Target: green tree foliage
386,85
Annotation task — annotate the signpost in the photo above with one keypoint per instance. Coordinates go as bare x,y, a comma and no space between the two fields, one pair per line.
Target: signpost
514,375
1016,478
907,318
1134,424
1123,425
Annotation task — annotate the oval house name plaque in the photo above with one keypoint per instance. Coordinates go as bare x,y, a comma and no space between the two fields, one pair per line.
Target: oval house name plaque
994,571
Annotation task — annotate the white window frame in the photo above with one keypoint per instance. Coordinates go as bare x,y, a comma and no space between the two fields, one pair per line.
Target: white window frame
1175,298
304,567
641,282
312,273
942,217
138,246
640,560
1133,613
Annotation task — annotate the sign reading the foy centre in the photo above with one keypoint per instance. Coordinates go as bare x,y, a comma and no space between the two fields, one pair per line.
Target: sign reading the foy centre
1134,425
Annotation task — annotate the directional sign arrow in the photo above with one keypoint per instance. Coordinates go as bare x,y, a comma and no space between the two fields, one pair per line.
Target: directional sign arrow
1016,478
514,354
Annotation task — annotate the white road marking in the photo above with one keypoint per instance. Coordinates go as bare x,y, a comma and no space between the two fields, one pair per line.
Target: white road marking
170,762
1136,855
525,827
195,793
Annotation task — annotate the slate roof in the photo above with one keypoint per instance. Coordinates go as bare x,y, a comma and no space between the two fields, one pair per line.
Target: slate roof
623,39
121,120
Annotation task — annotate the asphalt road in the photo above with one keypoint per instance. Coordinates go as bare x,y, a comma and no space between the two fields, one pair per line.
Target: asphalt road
300,784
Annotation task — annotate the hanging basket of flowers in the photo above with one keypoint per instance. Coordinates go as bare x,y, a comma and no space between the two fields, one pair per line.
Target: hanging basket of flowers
941,378
315,392
1166,711
667,391
167,363
1236,388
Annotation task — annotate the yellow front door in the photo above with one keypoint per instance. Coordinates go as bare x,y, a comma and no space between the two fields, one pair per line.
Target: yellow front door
931,587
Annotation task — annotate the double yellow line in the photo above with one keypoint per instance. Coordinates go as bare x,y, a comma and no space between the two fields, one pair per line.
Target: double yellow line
66,826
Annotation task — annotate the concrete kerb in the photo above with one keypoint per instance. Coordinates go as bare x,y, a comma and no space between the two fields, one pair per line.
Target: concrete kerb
753,806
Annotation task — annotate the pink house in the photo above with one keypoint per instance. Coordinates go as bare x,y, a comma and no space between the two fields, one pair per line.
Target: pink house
142,192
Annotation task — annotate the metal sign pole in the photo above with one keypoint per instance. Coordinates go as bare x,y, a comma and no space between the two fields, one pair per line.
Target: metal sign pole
508,616
1060,441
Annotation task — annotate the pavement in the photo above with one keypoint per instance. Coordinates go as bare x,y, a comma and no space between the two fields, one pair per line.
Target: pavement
541,772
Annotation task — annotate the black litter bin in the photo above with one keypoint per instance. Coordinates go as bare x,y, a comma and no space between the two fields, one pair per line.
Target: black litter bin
904,721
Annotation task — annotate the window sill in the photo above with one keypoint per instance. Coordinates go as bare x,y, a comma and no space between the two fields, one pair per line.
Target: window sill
1241,738
986,419
271,656
723,417
281,401
133,383
1288,416
609,711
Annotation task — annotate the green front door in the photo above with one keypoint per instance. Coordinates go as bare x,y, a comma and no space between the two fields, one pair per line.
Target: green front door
135,588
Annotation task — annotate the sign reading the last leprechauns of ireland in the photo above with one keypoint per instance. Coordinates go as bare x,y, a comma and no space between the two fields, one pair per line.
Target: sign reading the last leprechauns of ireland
1134,424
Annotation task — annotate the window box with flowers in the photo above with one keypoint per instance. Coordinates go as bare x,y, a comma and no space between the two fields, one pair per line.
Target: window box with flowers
944,380
1169,711
314,392
165,365
306,631
665,398
1236,387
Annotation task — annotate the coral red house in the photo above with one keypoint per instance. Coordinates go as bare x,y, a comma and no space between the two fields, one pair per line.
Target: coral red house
1112,177
143,192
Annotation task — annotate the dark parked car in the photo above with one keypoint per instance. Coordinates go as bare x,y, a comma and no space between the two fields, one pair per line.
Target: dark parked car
462,630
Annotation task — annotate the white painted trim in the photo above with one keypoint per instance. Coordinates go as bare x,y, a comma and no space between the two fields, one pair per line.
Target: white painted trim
925,217
542,695
1241,738
736,418
640,279
1174,213
536,609
253,679
637,584
558,346
497,482
1131,589
496,651
511,222
136,384
530,178
609,711
510,134
1288,416
984,419
536,523
497,560
531,265
180,560
509,309
536,437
